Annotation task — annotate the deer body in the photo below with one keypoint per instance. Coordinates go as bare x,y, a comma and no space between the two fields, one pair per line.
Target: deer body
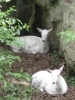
50,82
59,88
33,44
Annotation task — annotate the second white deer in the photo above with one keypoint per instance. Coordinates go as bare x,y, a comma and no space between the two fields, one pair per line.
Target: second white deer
32,44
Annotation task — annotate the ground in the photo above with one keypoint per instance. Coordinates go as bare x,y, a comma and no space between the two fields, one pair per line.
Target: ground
32,63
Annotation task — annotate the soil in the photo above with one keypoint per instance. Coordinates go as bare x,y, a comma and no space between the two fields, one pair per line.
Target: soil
32,63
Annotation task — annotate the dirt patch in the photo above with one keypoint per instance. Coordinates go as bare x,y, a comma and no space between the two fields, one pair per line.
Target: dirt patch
32,63
68,96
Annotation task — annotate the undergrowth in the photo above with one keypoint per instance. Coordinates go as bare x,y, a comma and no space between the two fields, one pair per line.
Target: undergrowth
71,80
9,27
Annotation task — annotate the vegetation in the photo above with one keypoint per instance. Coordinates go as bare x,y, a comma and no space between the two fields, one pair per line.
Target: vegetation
9,27
67,35
71,80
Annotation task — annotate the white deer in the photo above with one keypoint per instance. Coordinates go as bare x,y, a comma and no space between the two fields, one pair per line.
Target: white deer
50,81
32,44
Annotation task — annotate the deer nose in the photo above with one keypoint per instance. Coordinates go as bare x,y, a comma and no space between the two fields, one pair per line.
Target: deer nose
53,83
43,40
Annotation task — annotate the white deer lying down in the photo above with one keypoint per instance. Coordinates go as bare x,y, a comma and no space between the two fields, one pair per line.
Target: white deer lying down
49,81
32,44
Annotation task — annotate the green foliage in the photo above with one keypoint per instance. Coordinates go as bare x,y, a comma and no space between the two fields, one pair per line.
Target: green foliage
10,97
71,80
10,26
7,58
21,75
69,36
12,91
28,91
1,98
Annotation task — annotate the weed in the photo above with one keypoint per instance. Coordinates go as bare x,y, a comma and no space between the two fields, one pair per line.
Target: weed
67,35
9,27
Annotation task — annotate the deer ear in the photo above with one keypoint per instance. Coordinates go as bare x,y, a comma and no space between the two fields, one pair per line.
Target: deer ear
61,69
40,30
50,71
50,30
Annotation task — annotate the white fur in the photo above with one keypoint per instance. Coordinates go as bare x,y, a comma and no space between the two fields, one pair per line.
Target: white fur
32,44
51,82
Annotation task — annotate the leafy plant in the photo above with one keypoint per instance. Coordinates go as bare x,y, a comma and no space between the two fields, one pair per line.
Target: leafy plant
71,80
28,91
69,36
9,26
7,58
9,88
21,75
15,91
10,97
